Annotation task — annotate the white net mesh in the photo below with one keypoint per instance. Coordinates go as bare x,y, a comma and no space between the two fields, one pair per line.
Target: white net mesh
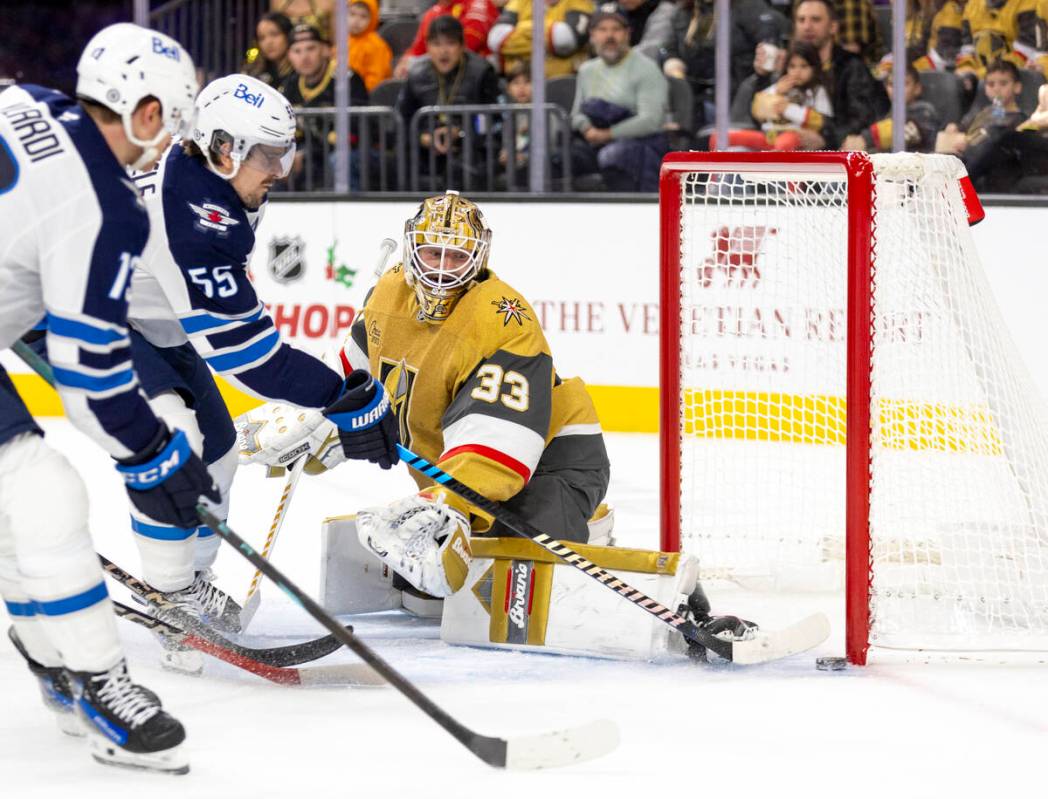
959,456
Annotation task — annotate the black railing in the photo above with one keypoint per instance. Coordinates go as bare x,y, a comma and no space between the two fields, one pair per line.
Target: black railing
376,162
481,148
217,32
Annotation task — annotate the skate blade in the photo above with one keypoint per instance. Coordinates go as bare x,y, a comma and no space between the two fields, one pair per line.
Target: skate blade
170,761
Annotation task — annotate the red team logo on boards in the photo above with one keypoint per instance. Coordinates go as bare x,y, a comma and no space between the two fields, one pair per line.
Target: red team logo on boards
734,260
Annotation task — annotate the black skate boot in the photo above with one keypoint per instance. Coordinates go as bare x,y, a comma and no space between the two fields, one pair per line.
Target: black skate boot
54,688
126,725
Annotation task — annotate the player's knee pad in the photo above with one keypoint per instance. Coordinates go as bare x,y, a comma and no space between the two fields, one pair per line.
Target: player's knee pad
207,542
520,596
45,507
352,580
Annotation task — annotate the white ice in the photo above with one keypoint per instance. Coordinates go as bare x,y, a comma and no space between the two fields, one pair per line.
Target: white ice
900,730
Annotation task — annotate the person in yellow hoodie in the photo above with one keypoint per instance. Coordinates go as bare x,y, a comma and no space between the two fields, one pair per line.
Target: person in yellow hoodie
567,34
369,55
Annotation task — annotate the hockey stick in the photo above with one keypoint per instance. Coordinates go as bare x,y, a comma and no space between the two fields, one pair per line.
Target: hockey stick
254,591
279,657
765,646
253,660
547,750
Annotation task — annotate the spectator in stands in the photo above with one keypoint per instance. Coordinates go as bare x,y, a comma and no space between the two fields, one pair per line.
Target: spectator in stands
476,17
691,53
518,90
620,107
857,99
567,34
312,85
318,13
369,55
794,110
857,30
1008,30
268,60
933,36
1019,161
650,24
448,74
977,137
922,122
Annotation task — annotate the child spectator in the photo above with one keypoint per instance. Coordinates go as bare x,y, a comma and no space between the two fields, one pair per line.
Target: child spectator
567,34
476,17
369,55
792,110
1019,161
268,60
518,91
980,127
922,122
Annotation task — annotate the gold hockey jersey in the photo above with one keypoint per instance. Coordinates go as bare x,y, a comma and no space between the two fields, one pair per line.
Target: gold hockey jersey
478,393
1013,30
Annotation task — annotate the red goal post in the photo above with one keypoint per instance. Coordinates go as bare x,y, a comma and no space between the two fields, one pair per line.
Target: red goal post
768,230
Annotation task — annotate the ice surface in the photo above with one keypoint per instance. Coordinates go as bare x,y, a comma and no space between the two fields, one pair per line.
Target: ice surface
902,730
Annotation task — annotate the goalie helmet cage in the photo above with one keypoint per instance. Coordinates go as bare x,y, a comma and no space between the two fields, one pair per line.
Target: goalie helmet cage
841,403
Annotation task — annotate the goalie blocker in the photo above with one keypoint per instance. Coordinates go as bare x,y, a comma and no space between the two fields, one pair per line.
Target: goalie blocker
519,596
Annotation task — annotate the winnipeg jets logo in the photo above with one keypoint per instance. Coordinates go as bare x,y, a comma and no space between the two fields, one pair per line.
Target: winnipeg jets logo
212,217
513,309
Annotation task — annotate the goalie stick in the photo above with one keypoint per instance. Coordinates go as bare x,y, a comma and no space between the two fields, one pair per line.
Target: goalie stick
278,657
547,750
253,660
764,646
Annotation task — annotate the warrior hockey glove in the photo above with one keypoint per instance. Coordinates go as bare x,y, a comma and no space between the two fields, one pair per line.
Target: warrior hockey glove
166,480
366,424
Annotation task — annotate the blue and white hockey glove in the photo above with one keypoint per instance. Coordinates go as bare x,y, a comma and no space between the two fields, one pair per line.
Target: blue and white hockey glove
166,480
367,426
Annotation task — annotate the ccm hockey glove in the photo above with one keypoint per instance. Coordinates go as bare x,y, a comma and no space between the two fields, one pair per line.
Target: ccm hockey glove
166,480
366,424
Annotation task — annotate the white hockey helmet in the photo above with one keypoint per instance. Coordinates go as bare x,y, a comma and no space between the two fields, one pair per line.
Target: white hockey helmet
124,63
247,120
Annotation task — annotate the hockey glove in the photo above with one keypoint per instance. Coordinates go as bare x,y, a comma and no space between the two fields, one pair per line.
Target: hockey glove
366,424
166,480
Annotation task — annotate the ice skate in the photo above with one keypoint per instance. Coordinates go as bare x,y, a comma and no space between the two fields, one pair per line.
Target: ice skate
203,601
54,688
126,725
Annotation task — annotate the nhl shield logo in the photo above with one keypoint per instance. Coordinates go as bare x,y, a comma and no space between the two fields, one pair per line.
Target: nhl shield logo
286,261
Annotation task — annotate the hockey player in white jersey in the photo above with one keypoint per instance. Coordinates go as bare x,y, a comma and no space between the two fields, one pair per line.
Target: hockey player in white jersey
73,227
193,306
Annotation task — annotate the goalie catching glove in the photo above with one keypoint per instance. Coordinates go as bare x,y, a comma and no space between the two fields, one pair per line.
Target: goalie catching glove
424,540
359,425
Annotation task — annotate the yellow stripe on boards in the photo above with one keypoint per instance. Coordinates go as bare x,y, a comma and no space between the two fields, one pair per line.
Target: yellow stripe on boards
720,415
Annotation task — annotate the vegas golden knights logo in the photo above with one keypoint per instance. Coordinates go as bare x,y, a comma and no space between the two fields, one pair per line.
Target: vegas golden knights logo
398,379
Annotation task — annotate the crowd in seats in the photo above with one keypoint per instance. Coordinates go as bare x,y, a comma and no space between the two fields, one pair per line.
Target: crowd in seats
635,78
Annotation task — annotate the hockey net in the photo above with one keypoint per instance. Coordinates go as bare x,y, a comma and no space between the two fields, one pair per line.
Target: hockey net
842,405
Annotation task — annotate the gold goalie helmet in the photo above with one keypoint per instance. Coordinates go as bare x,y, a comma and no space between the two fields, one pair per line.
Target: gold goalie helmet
445,251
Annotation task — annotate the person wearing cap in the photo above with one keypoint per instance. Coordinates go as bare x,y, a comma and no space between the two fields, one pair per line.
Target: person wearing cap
621,99
312,85
650,23
448,74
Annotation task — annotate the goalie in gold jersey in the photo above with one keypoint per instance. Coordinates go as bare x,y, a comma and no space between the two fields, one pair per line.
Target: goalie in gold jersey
470,377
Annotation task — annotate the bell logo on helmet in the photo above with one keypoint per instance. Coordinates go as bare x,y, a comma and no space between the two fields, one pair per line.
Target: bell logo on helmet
242,93
160,47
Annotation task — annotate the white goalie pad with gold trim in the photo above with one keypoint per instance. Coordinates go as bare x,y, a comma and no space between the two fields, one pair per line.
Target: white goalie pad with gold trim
519,596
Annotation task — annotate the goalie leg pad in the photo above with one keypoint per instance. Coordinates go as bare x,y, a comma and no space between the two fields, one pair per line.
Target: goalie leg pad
518,596
352,579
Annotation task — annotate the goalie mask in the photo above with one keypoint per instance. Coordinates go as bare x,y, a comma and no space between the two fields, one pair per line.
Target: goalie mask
445,252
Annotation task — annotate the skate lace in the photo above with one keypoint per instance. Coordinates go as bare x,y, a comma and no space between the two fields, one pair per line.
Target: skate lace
211,600
124,698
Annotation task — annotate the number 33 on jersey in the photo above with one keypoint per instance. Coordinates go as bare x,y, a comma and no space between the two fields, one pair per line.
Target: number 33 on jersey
478,393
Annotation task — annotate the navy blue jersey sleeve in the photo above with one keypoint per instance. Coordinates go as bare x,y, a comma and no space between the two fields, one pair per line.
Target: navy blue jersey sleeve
85,270
210,238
